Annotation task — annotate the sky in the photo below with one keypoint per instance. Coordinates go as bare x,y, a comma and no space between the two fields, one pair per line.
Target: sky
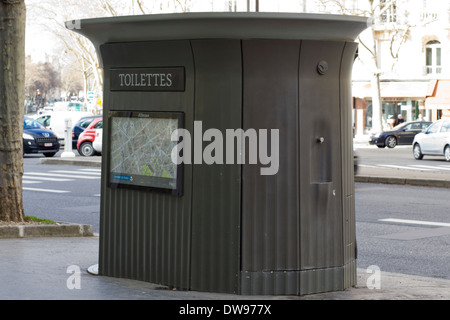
39,42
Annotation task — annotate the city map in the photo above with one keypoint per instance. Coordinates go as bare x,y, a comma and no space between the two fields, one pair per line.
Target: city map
141,151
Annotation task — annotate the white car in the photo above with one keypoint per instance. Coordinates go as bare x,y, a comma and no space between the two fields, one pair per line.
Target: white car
97,144
435,140
55,121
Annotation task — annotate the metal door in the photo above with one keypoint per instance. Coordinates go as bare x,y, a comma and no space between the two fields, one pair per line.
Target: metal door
320,155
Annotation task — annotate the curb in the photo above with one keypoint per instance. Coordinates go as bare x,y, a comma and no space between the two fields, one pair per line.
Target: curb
74,161
41,230
404,181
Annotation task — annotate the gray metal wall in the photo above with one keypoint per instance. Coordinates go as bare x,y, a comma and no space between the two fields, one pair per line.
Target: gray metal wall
297,225
234,230
215,249
270,204
147,235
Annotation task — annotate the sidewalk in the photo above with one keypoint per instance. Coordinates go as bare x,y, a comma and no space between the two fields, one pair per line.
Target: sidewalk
42,268
403,177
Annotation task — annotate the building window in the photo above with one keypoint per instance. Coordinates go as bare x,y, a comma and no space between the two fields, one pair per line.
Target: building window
388,11
433,57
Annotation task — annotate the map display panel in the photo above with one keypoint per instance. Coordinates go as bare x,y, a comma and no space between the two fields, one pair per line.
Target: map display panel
140,150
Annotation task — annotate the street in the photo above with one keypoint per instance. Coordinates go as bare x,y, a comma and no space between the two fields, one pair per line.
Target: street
415,242
61,192
403,229
400,157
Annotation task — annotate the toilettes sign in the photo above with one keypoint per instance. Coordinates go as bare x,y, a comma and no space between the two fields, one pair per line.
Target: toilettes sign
147,79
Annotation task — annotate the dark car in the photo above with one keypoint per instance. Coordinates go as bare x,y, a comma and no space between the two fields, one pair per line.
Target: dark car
403,134
80,126
37,139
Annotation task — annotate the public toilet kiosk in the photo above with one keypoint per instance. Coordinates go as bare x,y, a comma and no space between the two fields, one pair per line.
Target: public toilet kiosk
227,161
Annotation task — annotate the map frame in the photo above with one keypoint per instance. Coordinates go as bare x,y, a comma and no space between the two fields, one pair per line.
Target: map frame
121,180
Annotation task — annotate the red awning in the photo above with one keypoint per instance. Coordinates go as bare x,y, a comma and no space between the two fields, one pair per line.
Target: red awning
393,89
438,95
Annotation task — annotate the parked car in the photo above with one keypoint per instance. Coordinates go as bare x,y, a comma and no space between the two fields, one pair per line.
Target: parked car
80,126
435,140
55,121
37,139
403,134
86,138
76,106
97,144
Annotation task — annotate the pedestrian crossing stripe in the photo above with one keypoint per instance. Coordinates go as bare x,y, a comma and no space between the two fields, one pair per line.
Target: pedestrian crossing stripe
46,174
45,190
77,172
30,182
92,170
25,176
58,176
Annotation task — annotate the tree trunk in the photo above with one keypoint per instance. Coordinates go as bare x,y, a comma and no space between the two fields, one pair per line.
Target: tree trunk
377,122
12,79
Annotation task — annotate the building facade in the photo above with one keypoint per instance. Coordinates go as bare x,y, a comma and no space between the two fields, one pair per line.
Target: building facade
408,46
412,40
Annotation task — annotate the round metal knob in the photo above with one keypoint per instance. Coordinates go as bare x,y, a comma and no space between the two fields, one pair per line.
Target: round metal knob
322,67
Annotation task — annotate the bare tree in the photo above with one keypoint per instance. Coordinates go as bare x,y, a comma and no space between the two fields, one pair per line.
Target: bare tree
53,13
12,64
382,13
42,77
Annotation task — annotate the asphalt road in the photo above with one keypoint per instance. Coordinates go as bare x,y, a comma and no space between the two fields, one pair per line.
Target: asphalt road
399,157
61,192
72,193
416,242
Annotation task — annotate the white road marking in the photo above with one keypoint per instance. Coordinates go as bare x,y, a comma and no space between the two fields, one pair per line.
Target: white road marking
77,172
58,176
45,190
92,170
368,166
430,167
25,176
61,175
402,167
425,223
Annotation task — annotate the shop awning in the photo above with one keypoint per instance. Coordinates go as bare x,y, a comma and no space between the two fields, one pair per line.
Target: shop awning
393,89
438,95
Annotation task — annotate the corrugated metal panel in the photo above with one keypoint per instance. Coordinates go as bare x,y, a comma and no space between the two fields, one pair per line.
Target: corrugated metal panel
270,202
217,187
146,235
320,163
292,238
321,280
348,185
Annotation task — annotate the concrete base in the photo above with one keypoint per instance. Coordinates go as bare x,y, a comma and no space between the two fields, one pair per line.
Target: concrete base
67,154
302,282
